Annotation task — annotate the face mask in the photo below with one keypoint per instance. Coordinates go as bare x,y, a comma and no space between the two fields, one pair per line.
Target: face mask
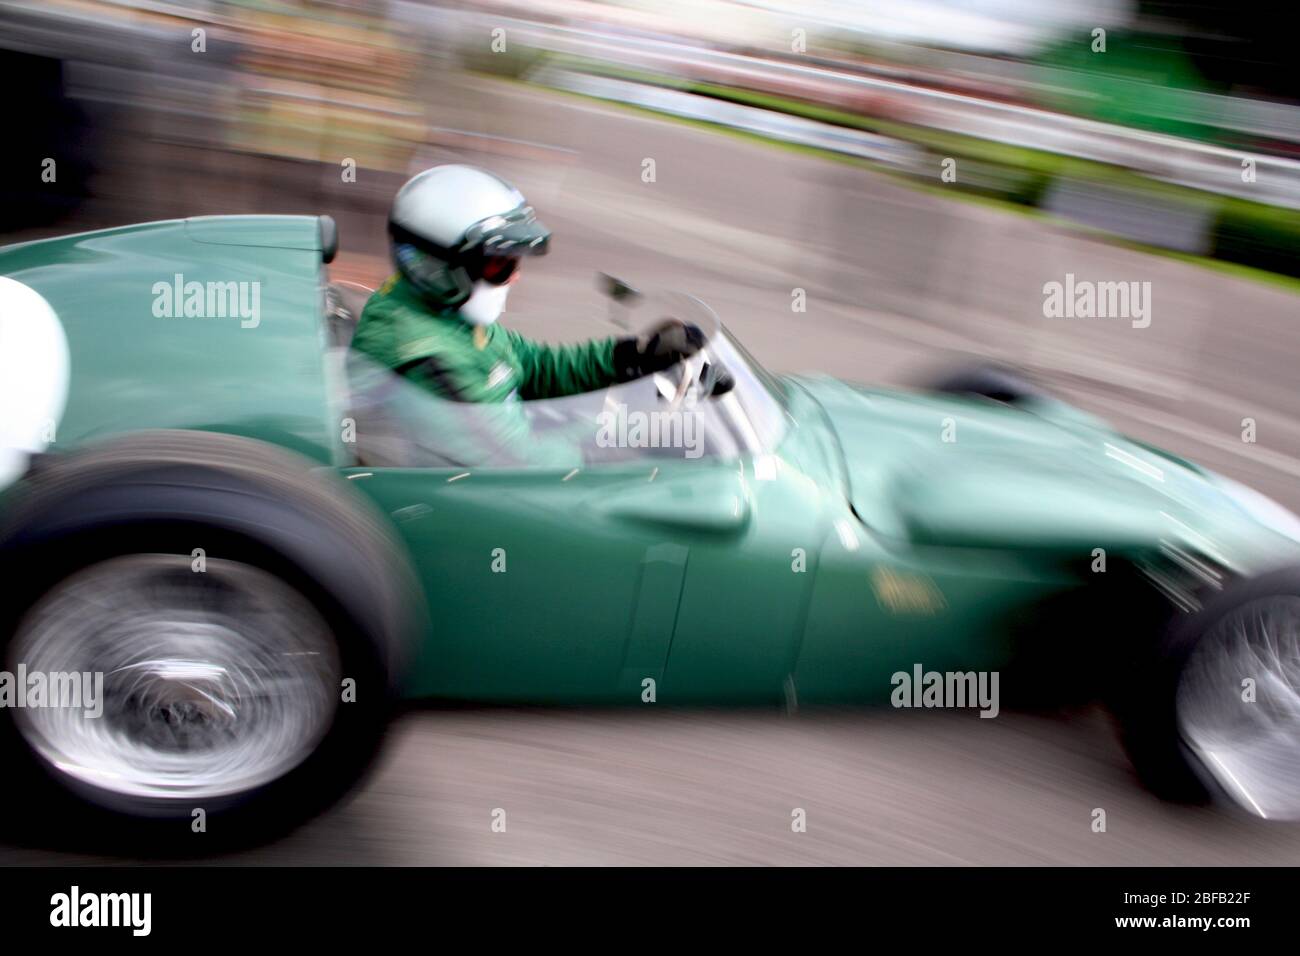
485,304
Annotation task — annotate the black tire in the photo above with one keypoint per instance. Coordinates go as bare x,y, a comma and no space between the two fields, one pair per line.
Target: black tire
165,493
1146,702
997,383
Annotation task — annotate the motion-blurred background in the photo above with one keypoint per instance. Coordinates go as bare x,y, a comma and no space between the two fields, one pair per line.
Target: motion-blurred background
920,170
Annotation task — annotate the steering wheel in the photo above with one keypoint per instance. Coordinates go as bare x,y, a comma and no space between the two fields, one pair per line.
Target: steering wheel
694,368
689,310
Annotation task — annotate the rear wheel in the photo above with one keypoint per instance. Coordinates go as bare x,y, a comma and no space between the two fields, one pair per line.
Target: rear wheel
232,626
213,683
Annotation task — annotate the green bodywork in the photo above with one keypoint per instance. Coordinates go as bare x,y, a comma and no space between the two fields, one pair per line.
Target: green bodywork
266,382
885,529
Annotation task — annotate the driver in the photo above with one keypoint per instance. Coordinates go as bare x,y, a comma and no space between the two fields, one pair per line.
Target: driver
459,236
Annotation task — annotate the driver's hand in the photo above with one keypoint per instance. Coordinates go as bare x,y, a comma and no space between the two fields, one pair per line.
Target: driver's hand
667,344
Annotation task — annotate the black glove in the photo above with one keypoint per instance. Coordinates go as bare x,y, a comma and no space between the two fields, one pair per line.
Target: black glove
667,345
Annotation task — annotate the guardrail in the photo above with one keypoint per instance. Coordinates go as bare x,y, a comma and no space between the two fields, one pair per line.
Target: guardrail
1274,180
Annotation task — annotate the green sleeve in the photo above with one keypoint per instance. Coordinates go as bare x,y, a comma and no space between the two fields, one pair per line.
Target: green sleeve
553,371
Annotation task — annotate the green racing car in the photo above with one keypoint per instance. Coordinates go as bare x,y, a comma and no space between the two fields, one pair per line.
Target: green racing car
230,547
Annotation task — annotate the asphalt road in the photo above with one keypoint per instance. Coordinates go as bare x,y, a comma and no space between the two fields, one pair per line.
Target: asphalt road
898,282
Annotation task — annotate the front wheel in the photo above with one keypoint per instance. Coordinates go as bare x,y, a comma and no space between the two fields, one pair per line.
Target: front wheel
1222,713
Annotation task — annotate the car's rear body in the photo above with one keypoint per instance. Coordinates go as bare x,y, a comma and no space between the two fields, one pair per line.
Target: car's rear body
210,323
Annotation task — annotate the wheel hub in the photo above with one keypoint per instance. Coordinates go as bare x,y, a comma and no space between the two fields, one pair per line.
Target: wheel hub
213,682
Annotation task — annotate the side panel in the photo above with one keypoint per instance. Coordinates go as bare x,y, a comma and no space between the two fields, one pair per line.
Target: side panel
880,609
581,586
536,592
746,596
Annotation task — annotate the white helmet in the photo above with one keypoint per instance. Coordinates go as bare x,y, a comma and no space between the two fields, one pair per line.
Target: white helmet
453,225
